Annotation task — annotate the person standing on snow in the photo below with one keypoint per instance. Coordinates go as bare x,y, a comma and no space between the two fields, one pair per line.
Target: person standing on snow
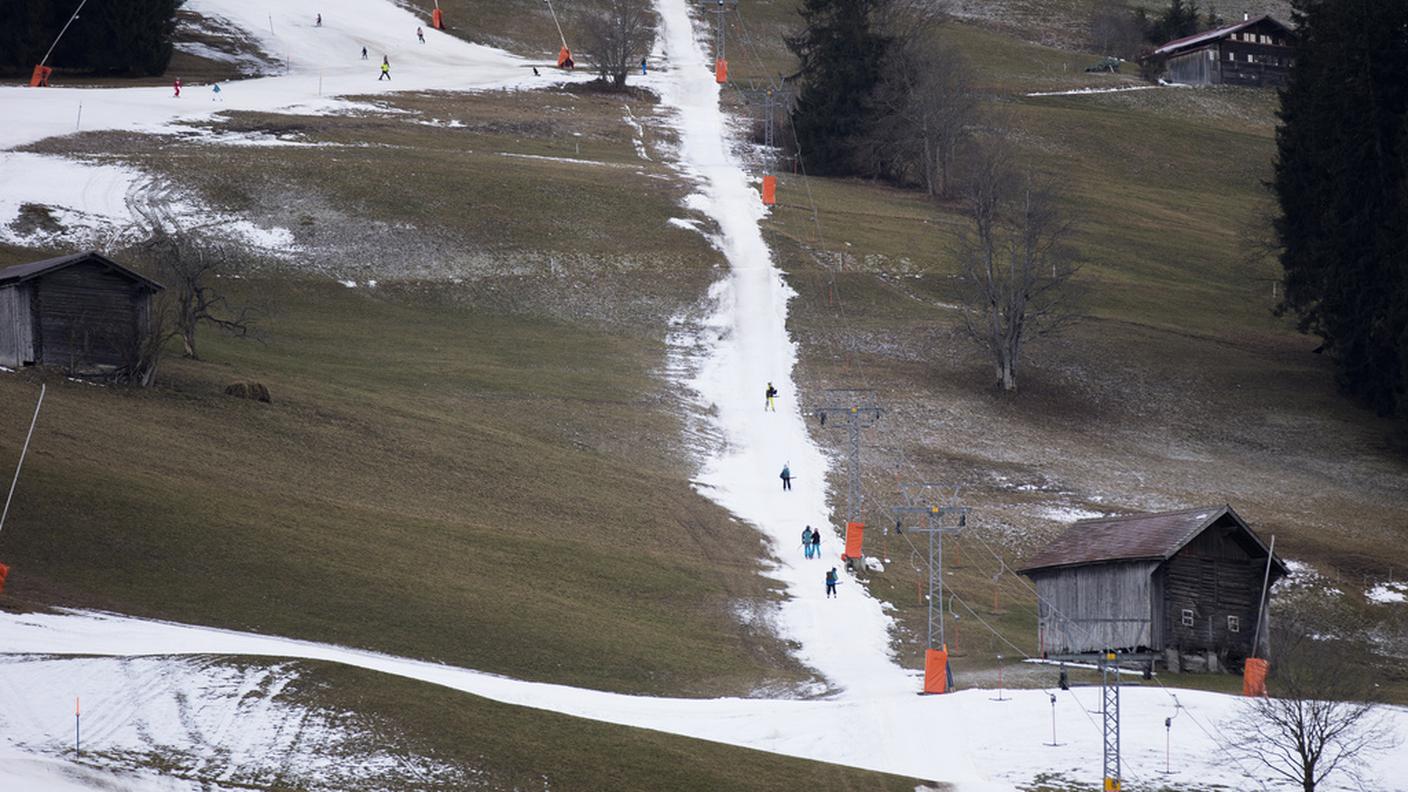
177,86
364,53
816,544
786,477
831,583
215,92
420,34
385,69
319,23
642,67
807,541
771,395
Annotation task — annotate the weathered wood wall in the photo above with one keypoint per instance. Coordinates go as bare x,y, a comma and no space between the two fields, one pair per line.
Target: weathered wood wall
1090,608
87,315
1214,576
1193,68
16,326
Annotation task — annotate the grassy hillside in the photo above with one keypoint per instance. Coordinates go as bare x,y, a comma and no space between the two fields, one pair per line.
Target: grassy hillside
475,461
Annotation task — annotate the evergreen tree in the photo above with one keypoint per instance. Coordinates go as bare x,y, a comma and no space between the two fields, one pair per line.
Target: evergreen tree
132,36
842,51
1342,158
1178,20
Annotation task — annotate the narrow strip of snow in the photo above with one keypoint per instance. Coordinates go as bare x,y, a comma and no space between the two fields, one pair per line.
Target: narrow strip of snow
1087,91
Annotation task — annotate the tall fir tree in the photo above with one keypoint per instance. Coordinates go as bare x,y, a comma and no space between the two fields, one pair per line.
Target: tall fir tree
841,50
1341,181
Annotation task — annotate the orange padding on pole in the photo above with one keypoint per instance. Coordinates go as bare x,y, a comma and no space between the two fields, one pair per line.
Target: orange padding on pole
935,670
437,19
769,190
1254,677
40,77
855,532
564,58
4,573
721,71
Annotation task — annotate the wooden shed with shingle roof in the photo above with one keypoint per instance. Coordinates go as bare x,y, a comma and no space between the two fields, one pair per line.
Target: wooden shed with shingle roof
83,312
1184,583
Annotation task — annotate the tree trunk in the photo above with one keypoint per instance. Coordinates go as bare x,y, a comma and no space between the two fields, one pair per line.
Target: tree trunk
188,340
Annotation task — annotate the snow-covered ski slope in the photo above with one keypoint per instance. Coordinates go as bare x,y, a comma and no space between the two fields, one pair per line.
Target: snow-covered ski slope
323,64
872,717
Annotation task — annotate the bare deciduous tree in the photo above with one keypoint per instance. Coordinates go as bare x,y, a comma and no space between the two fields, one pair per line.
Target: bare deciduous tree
190,269
925,107
1015,267
1317,721
617,34
1117,30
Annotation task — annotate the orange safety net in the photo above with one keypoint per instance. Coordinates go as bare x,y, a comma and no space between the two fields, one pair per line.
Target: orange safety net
437,19
564,58
936,670
4,573
721,71
855,532
40,77
769,190
1254,677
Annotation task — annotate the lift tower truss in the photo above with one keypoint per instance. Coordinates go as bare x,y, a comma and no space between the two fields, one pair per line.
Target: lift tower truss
855,409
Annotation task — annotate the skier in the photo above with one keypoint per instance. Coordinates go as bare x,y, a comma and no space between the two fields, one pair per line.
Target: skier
177,86
385,69
786,477
831,583
816,544
535,72
642,67
771,395
364,53
807,541
420,34
319,23
215,92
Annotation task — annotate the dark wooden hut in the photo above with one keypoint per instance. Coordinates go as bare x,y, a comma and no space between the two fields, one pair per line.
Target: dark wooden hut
1184,584
83,312
1254,52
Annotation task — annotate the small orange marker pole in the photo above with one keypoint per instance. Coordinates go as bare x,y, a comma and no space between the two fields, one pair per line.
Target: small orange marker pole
77,720
721,71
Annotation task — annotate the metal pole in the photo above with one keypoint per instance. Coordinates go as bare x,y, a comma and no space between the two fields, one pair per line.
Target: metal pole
23,451
45,59
1260,608
853,470
77,722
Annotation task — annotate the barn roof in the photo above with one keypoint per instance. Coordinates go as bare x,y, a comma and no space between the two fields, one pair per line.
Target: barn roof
1188,42
1136,537
23,272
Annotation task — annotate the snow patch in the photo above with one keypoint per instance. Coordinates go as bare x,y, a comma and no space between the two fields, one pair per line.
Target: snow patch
1069,513
1388,593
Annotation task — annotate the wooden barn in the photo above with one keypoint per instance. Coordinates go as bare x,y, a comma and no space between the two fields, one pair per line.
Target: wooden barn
1185,585
1254,52
83,312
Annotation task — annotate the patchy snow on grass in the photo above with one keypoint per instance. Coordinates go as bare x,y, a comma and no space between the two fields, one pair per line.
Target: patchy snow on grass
53,201
214,726
1066,514
1388,593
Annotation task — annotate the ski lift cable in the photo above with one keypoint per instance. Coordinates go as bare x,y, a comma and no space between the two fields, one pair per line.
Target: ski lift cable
45,59
558,24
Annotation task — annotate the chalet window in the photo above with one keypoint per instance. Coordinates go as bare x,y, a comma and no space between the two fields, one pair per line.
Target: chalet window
1251,58
1187,618
1234,624
1231,56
